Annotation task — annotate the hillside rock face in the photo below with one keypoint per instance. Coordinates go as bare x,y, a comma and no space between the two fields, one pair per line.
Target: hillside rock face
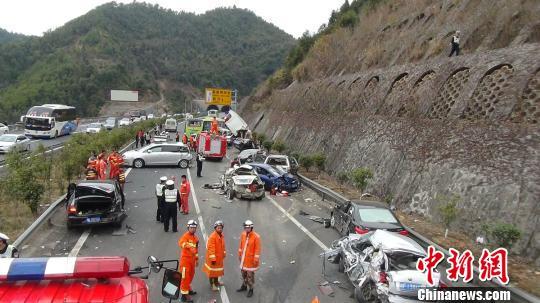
466,126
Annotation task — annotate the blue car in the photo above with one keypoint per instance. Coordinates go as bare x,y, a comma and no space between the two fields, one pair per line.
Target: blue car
275,177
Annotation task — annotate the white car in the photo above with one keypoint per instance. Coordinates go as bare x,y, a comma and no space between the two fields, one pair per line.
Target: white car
94,128
124,122
283,162
150,116
9,142
137,119
3,129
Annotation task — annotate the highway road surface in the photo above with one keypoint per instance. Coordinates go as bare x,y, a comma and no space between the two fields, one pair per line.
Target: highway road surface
290,270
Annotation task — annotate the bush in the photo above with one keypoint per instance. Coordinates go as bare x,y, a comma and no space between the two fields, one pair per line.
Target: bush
278,146
295,155
360,177
306,162
261,138
22,182
348,19
448,210
505,234
268,145
342,177
319,159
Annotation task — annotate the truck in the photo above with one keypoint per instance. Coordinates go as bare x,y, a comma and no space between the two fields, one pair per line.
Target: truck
212,146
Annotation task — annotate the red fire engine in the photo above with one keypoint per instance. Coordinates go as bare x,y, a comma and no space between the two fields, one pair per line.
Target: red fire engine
212,146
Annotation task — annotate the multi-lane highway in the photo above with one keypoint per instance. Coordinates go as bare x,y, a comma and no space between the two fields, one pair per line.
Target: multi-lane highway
291,268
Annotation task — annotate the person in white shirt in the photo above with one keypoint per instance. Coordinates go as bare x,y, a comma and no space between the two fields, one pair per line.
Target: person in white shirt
455,44
6,250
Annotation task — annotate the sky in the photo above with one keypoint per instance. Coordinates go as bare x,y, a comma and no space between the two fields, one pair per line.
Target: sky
37,16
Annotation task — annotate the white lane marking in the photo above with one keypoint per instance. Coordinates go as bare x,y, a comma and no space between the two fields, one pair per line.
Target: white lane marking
75,251
302,228
222,290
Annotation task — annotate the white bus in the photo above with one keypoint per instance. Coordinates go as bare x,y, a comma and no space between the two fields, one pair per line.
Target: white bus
49,121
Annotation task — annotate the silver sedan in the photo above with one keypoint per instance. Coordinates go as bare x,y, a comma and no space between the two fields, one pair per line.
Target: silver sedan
9,142
159,154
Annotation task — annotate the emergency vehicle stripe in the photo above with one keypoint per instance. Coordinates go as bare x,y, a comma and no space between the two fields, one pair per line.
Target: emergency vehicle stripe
27,269
5,263
60,266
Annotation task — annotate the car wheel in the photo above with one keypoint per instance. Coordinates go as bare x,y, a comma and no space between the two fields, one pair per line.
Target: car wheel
341,266
230,194
183,164
332,220
138,163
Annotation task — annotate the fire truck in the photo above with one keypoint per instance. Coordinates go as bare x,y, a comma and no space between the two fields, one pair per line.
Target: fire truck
212,146
82,279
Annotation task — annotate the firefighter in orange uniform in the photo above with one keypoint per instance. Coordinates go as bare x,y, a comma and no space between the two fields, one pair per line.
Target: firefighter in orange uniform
215,254
114,160
189,260
101,167
249,252
214,127
184,139
184,195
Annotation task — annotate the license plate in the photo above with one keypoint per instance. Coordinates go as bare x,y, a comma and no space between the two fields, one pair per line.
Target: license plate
92,220
409,286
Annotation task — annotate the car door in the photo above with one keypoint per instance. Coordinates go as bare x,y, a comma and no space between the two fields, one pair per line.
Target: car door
170,155
21,143
153,156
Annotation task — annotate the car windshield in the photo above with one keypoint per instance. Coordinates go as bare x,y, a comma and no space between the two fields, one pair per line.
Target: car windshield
280,170
95,125
274,171
277,161
376,215
7,138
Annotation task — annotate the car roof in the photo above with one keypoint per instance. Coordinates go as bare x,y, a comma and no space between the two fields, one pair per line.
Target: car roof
370,204
96,183
278,156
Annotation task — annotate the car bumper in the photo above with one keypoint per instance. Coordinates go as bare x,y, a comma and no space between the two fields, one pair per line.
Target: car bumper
108,219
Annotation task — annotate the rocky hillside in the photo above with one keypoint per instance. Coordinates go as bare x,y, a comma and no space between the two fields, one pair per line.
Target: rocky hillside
384,95
137,46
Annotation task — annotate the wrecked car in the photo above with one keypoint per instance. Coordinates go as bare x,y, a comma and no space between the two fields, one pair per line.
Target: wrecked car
95,203
242,182
274,177
382,266
248,156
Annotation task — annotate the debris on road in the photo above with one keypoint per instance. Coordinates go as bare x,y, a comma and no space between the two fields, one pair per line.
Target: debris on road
212,186
215,206
312,218
130,229
326,289
292,262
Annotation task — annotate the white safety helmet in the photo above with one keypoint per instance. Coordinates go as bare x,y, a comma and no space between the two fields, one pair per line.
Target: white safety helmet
3,237
163,179
169,183
248,223
192,223
218,223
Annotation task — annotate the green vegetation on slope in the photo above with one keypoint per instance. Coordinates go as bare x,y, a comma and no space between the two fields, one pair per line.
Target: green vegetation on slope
6,36
132,46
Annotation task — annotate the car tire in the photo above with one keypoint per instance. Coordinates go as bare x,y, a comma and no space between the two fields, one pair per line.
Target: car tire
138,163
364,294
327,223
183,164
341,266
230,194
332,220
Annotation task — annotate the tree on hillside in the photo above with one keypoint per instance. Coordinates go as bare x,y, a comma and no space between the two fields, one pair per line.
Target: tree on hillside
360,177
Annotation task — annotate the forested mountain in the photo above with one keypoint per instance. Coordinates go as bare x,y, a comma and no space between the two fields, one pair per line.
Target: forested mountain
6,36
133,46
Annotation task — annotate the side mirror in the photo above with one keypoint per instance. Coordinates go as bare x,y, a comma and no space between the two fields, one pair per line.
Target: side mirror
170,288
155,266
15,252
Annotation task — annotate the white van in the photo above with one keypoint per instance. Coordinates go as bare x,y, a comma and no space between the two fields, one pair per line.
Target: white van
170,125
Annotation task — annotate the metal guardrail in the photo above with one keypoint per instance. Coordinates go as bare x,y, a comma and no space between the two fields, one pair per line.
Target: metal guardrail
518,295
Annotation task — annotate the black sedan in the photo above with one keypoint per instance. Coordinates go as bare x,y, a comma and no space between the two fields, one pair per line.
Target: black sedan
93,202
363,216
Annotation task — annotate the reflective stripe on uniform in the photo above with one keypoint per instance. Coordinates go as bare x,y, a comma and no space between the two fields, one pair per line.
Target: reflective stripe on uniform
159,190
211,268
170,195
